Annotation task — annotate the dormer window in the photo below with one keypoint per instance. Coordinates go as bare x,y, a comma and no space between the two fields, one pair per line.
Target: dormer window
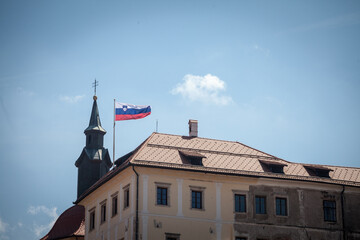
272,166
190,157
316,170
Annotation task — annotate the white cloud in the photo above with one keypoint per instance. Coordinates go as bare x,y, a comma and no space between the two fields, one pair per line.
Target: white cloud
202,88
40,229
51,212
71,99
3,226
3,229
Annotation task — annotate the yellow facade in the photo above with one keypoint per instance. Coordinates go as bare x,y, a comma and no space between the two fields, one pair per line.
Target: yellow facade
214,221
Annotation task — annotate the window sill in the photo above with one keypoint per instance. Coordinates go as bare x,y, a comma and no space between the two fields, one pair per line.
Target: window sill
161,205
330,222
198,209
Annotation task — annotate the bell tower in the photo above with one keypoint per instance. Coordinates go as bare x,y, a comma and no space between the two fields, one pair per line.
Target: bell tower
94,160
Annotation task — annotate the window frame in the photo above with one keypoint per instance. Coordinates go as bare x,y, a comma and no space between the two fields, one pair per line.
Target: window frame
161,196
102,212
332,218
126,192
175,236
114,204
196,199
281,199
162,186
201,191
256,205
239,194
92,219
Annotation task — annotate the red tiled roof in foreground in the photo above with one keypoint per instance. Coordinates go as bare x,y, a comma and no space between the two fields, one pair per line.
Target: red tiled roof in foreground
71,223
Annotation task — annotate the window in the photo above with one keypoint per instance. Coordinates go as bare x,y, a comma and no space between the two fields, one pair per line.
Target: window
172,236
276,168
162,198
191,157
272,166
240,203
103,213
126,197
114,205
317,170
92,220
329,211
260,205
196,199
281,207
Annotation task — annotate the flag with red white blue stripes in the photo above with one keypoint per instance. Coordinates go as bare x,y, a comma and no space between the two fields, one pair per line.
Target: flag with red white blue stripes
124,111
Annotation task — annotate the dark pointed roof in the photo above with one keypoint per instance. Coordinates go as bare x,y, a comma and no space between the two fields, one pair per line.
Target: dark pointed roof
95,123
71,223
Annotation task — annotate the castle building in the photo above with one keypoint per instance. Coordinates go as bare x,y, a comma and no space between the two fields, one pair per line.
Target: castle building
175,187
186,187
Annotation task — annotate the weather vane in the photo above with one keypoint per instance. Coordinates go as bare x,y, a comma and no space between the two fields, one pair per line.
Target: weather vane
95,84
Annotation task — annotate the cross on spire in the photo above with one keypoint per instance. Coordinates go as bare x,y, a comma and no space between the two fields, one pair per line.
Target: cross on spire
95,84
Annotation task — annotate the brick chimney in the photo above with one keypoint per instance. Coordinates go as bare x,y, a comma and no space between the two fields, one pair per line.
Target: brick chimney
193,128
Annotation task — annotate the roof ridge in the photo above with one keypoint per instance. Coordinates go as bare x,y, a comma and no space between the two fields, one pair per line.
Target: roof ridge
214,151
177,135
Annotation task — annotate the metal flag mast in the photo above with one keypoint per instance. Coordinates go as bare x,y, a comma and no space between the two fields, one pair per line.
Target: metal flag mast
114,136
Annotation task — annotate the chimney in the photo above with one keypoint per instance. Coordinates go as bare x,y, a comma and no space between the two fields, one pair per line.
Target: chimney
193,128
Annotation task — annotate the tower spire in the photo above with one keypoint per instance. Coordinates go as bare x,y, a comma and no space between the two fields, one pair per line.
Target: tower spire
95,123
94,161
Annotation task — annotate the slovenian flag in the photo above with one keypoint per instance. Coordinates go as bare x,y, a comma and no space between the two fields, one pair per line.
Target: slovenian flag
124,111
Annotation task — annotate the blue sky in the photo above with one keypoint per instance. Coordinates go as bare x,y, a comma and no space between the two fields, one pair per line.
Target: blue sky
280,76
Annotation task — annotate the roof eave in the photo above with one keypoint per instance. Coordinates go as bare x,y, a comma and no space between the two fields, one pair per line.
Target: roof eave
250,174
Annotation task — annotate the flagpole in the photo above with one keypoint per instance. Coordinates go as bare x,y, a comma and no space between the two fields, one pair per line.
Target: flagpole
114,136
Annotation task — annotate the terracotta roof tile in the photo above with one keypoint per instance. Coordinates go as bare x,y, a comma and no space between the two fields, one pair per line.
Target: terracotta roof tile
229,156
71,223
